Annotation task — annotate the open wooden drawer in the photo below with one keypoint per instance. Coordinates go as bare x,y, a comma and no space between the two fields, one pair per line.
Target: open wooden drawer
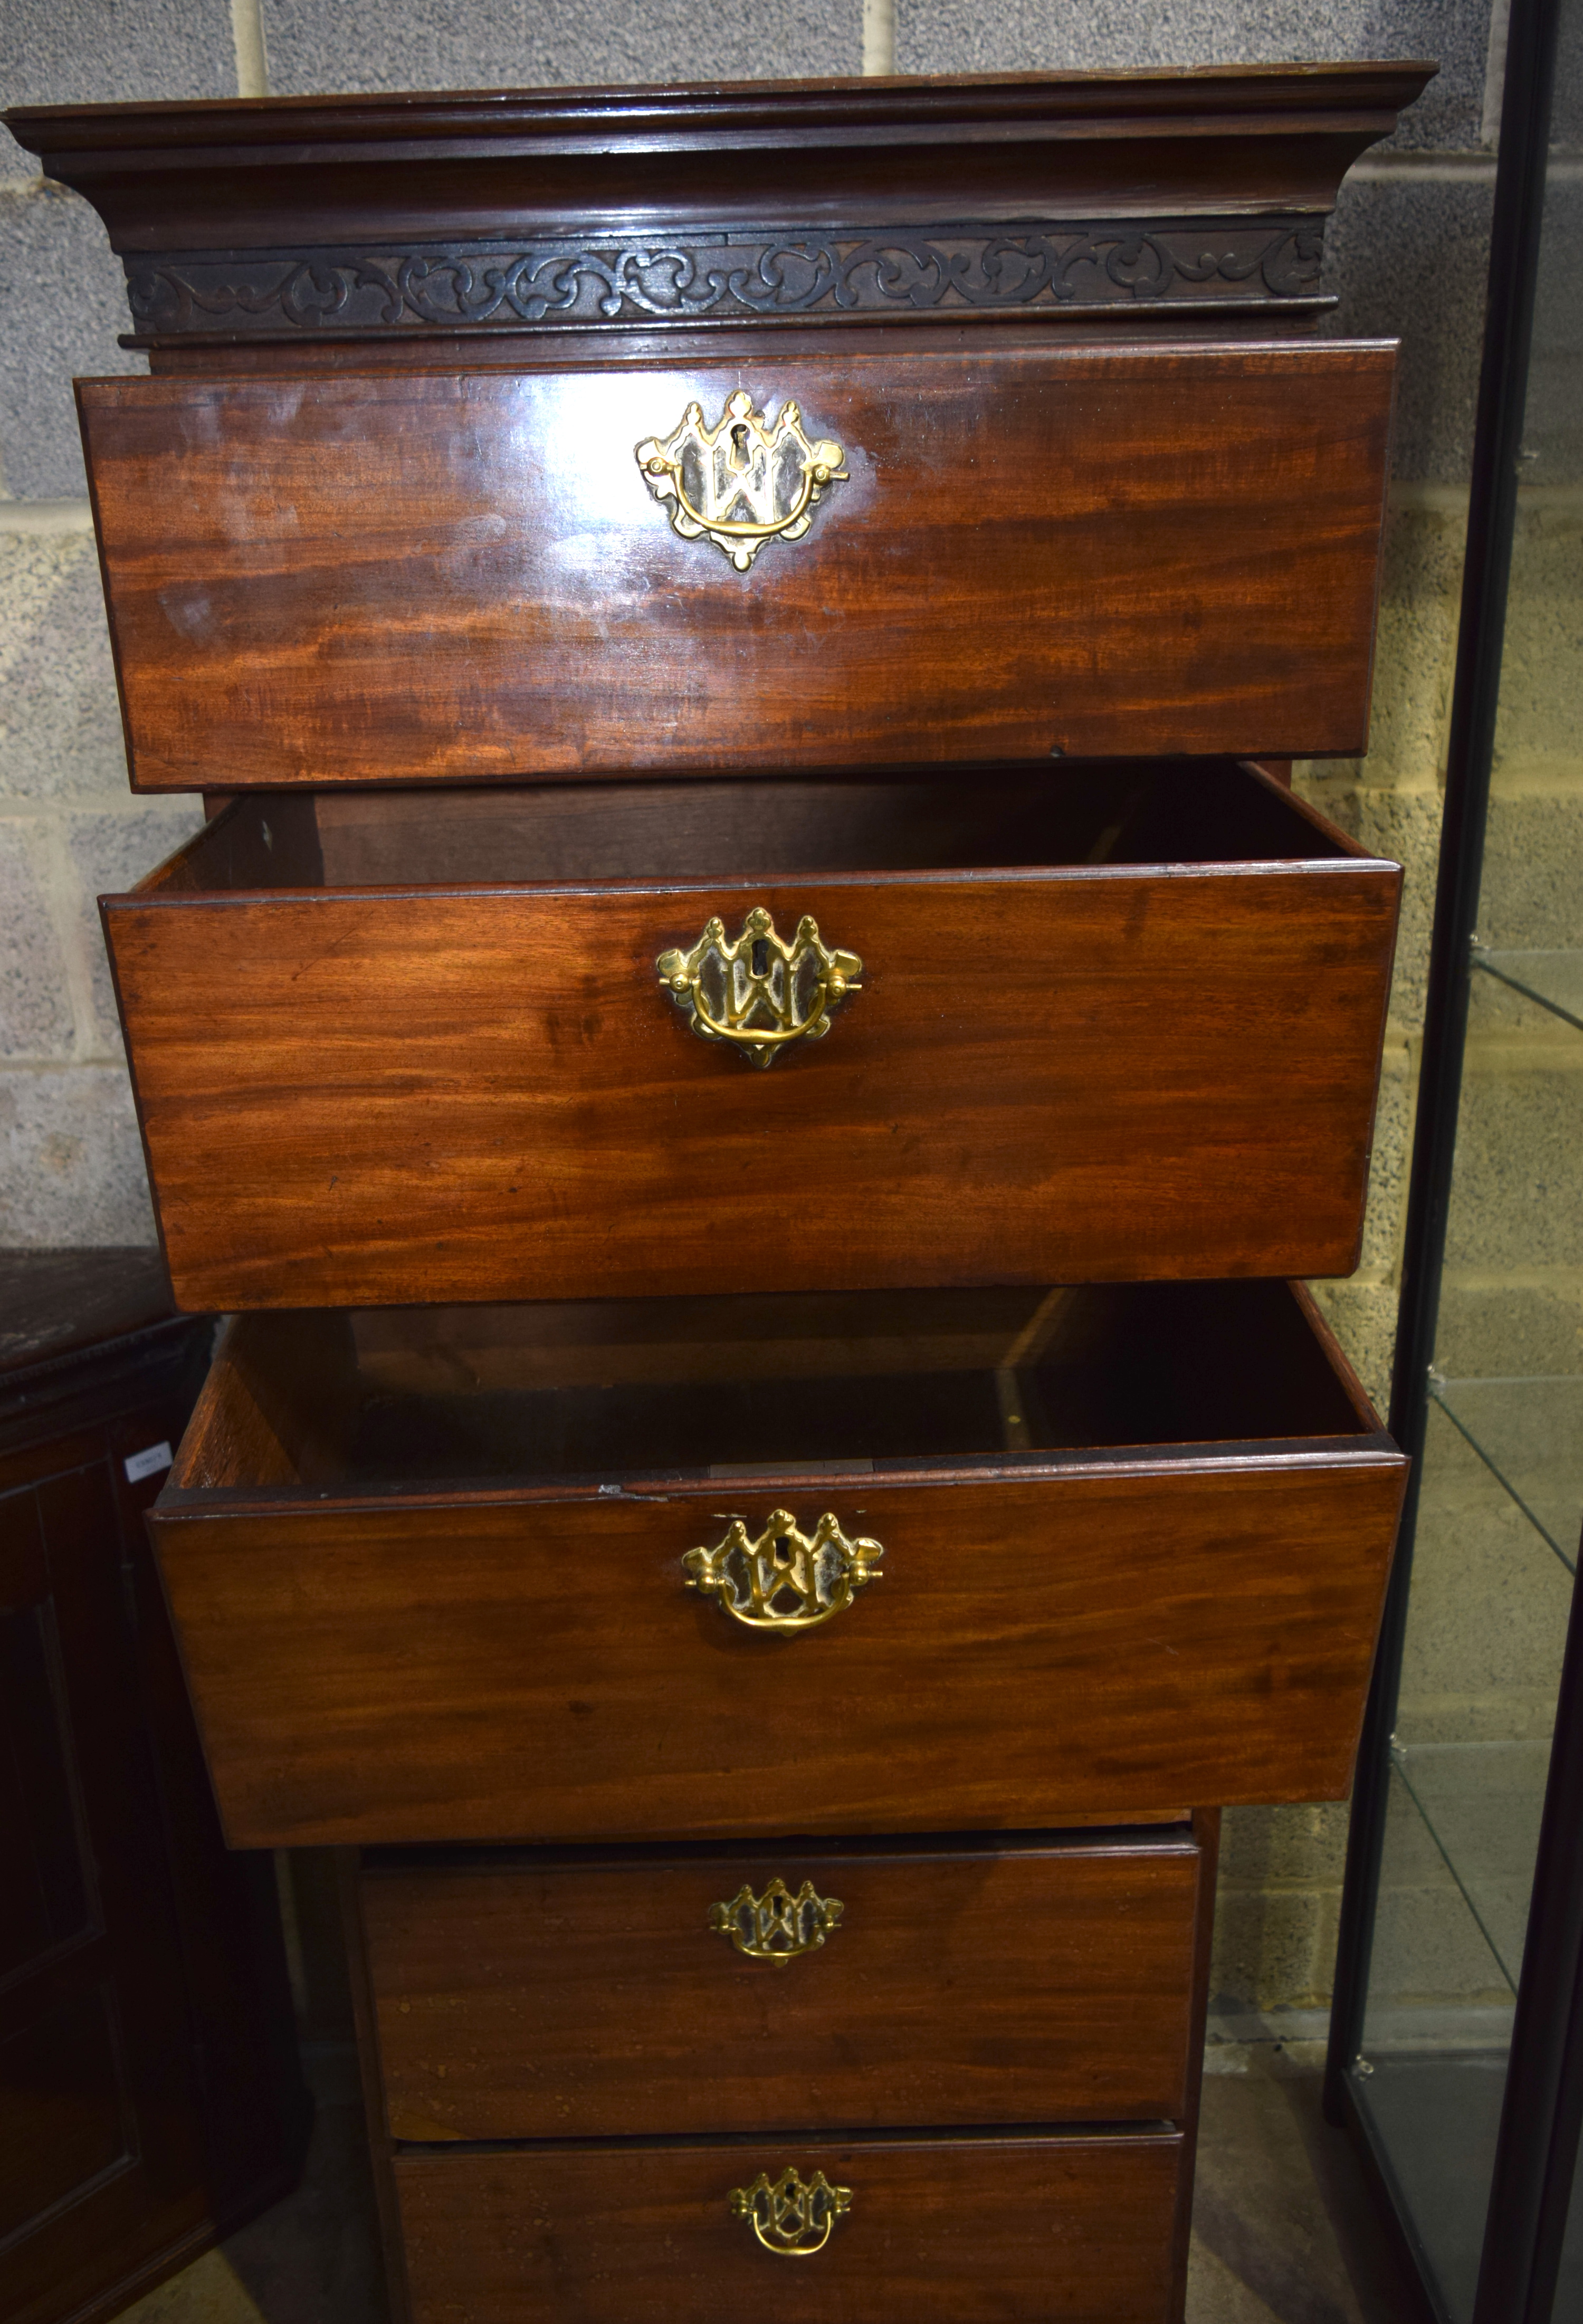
1111,1022
705,1568
471,575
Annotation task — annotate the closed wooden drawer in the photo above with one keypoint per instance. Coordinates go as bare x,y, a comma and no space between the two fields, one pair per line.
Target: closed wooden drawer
1109,1023
875,1985
479,1576
960,2231
453,577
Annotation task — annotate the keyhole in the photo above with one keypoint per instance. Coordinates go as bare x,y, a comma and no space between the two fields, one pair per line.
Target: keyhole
739,447
760,956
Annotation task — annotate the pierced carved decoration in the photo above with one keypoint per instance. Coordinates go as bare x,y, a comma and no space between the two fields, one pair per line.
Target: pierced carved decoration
946,269
785,1580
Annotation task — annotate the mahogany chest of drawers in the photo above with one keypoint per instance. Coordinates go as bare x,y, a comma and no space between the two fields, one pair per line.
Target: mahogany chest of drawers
753,1037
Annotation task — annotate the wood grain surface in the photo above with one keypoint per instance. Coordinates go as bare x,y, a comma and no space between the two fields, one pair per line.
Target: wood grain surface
491,1667
371,578
971,2231
1123,1070
962,1986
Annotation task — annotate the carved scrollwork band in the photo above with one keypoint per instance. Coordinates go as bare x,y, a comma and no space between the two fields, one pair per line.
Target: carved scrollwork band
719,277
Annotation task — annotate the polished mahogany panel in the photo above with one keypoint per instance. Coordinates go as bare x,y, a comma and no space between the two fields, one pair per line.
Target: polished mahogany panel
428,577
520,1997
507,1646
963,2231
1089,1042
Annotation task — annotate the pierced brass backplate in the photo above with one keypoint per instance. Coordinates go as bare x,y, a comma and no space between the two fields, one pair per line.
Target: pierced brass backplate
790,2217
742,481
777,1926
786,1580
760,992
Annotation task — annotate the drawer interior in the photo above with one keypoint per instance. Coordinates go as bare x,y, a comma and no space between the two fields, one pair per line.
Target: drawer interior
386,1399
1073,813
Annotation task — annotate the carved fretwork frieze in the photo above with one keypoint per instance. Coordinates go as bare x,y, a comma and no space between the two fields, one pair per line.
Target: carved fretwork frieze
1265,262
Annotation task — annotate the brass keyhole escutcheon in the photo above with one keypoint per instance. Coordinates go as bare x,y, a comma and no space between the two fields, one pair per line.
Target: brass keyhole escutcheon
757,992
784,1580
790,2217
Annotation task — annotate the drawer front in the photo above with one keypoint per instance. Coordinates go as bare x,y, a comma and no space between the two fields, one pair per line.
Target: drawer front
971,2231
342,579
571,2001
357,1099
1093,1641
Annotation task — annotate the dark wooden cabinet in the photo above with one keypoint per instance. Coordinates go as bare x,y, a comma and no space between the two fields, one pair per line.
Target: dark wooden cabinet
149,2093
755,1037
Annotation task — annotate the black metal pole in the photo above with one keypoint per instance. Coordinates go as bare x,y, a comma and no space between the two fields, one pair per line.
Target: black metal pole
1492,510
1542,2114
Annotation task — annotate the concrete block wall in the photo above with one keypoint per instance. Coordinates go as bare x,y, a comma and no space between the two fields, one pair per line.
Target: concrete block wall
1407,256
70,1165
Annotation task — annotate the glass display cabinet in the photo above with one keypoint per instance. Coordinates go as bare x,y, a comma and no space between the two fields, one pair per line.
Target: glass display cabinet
1457,2052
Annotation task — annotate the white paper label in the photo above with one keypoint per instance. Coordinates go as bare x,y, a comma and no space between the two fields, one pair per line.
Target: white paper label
147,1463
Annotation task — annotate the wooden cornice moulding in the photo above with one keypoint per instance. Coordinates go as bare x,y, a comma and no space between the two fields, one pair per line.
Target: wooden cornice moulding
387,217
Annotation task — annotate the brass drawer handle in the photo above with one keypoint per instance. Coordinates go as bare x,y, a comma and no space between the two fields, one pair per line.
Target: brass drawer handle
742,481
777,1926
790,2218
786,1580
760,992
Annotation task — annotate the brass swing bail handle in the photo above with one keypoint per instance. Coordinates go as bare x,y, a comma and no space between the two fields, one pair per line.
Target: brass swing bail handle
743,482
784,1579
757,992
777,1926
791,2217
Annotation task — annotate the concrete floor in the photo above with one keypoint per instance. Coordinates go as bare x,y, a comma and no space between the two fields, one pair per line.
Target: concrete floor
1283,2230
